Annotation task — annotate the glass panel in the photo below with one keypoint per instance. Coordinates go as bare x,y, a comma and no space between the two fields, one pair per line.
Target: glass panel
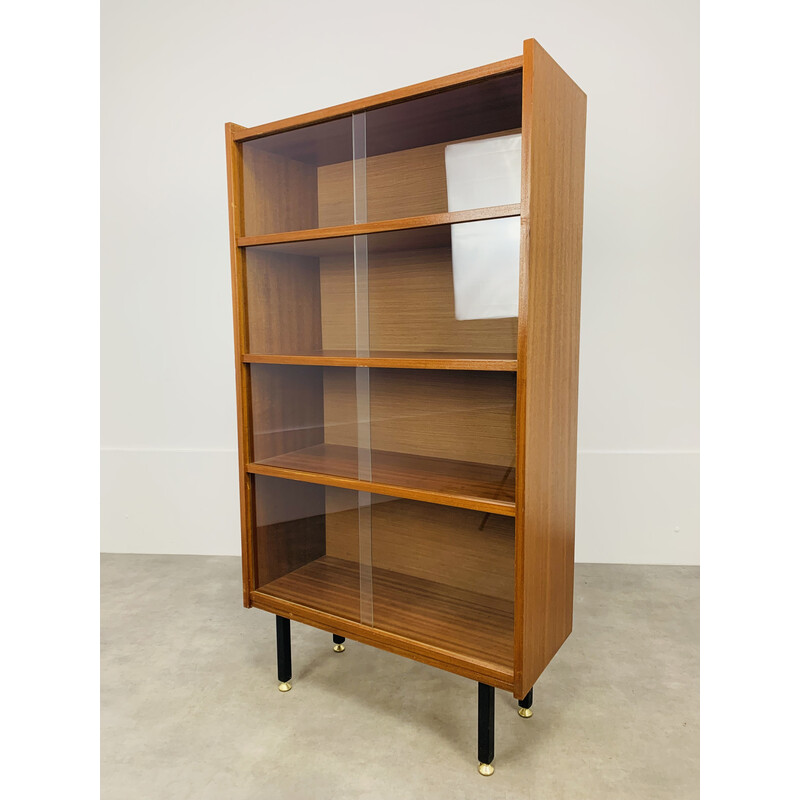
445,577
306,546
446,431
447,291
442,576
361,324
365,571
299,179
452,151
359,168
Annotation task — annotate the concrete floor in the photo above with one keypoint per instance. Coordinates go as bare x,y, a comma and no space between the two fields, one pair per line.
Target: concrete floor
191,707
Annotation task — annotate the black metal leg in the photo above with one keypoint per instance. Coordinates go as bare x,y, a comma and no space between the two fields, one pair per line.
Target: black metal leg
485,728
525,705
284,637
338,644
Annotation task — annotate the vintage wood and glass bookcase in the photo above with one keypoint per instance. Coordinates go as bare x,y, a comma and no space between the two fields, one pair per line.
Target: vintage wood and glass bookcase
406,287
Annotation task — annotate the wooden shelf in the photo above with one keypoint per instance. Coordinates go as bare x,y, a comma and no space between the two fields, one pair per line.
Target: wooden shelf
468,625
404,224
490,362
482,487
384,241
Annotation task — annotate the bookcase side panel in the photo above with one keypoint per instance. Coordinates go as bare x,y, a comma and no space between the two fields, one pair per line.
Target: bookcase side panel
283,302
279,193
554,124
239,295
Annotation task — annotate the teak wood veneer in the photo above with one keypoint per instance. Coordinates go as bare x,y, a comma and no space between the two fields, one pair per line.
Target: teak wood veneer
407,470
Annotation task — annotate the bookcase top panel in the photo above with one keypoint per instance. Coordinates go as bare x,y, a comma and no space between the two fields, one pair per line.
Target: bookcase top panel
437,85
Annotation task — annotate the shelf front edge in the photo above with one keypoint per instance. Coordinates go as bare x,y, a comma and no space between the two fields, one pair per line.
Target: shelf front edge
394,643
404,223
487,364
423,495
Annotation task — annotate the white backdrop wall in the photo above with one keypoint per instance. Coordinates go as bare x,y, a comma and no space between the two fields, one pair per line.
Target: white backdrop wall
174,71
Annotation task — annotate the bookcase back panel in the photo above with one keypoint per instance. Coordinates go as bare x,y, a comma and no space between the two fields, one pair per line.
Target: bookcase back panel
411,306
406,183
444,289
464,416
454,546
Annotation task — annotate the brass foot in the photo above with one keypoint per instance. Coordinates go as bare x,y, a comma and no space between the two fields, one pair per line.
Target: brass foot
338,648
525,713
486,769
284,687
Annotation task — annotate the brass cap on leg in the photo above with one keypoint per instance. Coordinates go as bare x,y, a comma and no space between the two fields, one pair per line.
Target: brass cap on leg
338,648
284,687
525,713
486,769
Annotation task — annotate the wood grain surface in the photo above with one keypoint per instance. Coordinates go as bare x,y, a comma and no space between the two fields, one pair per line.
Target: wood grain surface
287,409
411,306
464,416
400,183
435,480
233,152
283,302
553,136
393,359
452,546
365,228
466,624
280,194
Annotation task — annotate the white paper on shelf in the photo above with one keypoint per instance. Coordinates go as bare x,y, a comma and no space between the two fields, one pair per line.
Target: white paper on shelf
486,268
485,172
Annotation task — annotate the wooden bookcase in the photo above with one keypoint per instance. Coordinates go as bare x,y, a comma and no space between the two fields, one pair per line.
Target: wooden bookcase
408,443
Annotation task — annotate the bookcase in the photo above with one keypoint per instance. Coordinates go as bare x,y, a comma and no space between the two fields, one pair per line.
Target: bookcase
406,289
